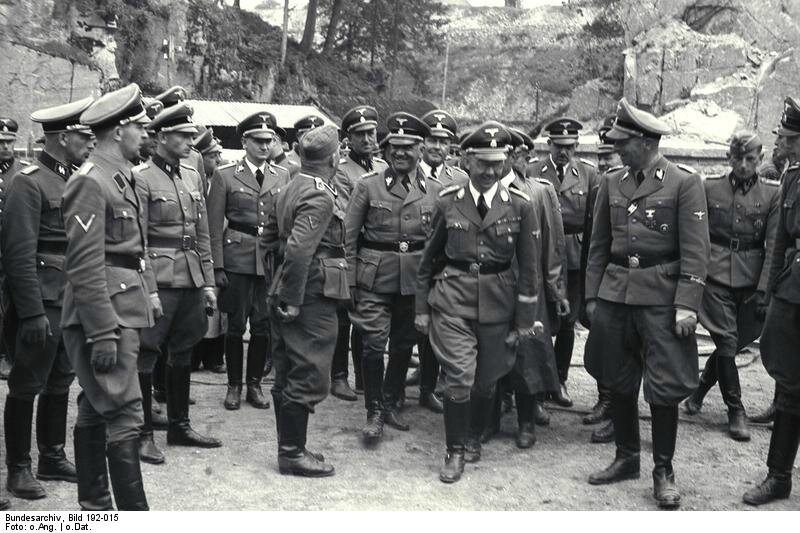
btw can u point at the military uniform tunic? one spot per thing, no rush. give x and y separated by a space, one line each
106 295
33 244
350 173
476 298
742 221
179 251
648 255
306 231
781 334
237 197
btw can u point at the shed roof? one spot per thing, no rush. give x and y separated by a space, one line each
230 113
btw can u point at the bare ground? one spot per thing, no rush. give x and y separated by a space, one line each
712 470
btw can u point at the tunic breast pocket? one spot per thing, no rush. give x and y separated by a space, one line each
380 213
619 210
757 216
51 214
244 200
790 215
123 224
577 200
458 235
199 203
507 232
163 206
660 215
718 216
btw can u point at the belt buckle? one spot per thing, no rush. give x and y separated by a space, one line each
734 246
403 246
142 264
633 261
260 231
186 242
475 268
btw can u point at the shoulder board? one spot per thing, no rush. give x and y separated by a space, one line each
370 174
773 183
715 177
686 168
142 166
587 162
614 169
291 162
342 160
379 160
196 150
227 165
519 193
533 160
449 190
793 166
543 181
280 167
432 178
86 167
30 169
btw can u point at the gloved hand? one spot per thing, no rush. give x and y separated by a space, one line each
591 305
761 303
562 307
35 330
422 323
220 278
685 322
287 313
104 355
210 300
155 305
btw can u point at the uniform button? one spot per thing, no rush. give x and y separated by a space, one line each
633 238
260 203
123 286
180 192
405 217
738 220
482 242
633 221
738 206
483 255
229 241
263 213
186 224
41 263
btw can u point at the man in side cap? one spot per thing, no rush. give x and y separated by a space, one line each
244 194
645 276
572 178
33 244
179 250
388 221
742 219
475 309
306 232
108 299
781 334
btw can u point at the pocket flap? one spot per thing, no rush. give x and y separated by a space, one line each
54 203
379 204
124 212
660 202
507 228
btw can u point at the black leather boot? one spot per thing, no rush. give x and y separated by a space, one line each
526 428
357 351
428 375
456 422
603 434
5 366
256 356
626 465
234 352
90 464
292 457
18 418
665 432
563 346
180 432
372 371
126 472
708 378
159 378
148 451
602 409
340 388
480 412
51 437
277 401
540 415
495 416
394 386
732 395
766 416
782 452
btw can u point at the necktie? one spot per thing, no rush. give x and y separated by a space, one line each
433 172
560 171
482 207
406 183
259 177
639 178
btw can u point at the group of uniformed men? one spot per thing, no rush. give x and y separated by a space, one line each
121 239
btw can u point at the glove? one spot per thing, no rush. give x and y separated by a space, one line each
287 313
155 305
562 307
761 303
422 323
220 278
104 355
685 322
35 330
210 299
591 305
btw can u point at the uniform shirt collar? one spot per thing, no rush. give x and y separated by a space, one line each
253 168
488 195
555 167
508 179
743 185
427 169
168 168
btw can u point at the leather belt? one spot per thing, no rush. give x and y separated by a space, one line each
737 245
51 247
636 261
399 246
187 242
132 262
332 252
250 229
479 268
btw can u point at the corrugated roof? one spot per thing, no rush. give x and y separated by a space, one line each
227 113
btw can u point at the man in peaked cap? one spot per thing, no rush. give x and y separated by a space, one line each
301 127
475 308
572 178
171 97
359 125
108 299
179 250
743 214
607 157
306 231
645 276
244 194
436 148
33 245
388 221
152 107
779 337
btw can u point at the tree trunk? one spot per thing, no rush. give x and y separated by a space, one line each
237 4
336 11
285 36
311 26
512 3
